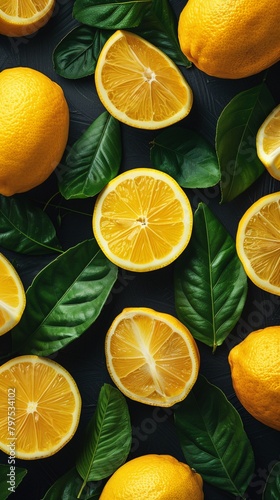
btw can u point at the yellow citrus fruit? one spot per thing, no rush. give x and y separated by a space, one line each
34 123
230 39
154 477
139 85
258 242
268 143
151 356
255 372
142 220
22 18
40 407
12 296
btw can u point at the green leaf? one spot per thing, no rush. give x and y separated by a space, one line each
107 438
236 132
10 477
187 157
25 228
93 160
272 486
68 486
213 439
159 26
210 282
64 299
76 55
106 14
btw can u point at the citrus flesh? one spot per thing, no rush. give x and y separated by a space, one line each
142 220
230 39
43 404
24 17
139 85
12 296
258 242
154 477
255 372
151 356
34 123
268 143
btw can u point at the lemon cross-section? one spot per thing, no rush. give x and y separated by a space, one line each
142 220
40 401
140 85
151 356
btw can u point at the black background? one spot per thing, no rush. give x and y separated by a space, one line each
85 358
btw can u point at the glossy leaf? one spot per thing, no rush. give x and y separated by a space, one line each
64 299
272 486
108 437
76 55
213 439
187 157
119 14
25 228
236 132
93 160
68 486
160 26
10 474
210 283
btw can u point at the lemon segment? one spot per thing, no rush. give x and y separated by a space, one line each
258 242
12 296
45 404
142 220
139 85
151 356
22 18
268 143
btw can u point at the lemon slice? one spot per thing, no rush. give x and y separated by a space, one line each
139 85
22 18
151 356
268 143
40 407
12 296
142 220
258 242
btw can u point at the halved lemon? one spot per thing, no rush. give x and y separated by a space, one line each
12 296
151 356
268 143
24 17
258 242
40 407
142 220
139 85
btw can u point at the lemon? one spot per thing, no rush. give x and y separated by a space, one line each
12 296
44 406
268 143
154 477
22 18
34 123
142 220
139 85
151 356
255 373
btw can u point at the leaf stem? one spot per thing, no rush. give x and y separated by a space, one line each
82 488
64 208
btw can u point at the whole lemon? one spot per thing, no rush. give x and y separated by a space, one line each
255 372
154 477
34 124
230 38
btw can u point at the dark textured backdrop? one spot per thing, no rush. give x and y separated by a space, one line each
85 357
